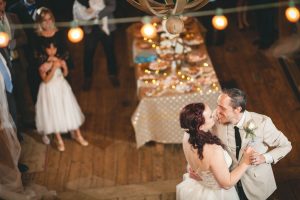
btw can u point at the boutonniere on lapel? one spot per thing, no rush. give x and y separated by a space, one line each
249 128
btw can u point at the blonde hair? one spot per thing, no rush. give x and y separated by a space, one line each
40 15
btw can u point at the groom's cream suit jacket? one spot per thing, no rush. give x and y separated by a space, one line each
258 181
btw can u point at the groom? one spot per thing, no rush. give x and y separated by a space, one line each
258 182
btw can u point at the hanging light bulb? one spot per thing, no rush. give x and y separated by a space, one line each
148 30
219 21
4 39
292 13
75 34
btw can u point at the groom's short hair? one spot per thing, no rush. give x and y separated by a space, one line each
238 98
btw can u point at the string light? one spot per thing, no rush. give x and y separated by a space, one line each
4 39
219 21
138 19
75 34
148 30
292 13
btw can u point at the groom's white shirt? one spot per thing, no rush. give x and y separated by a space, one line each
258 181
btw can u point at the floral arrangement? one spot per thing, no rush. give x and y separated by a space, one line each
249 128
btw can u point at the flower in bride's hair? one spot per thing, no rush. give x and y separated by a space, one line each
249 128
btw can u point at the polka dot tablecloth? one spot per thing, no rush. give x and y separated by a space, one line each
157 118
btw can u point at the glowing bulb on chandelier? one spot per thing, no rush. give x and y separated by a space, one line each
219 21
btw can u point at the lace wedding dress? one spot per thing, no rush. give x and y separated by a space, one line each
207 189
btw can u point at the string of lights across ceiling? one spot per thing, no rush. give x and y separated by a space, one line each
219 20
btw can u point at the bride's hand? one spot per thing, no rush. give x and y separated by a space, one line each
257 158
247 156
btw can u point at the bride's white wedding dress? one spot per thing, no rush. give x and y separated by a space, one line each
207 189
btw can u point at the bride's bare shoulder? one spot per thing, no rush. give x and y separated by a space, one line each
212 149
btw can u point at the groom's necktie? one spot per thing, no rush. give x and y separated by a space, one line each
5 75
238 141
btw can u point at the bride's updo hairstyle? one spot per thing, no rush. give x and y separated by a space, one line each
191 118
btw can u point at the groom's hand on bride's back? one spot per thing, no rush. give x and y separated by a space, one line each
194 175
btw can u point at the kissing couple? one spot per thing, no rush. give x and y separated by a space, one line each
229 151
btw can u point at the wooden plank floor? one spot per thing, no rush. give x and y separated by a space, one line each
112 159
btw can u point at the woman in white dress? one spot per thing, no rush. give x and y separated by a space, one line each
207 158
57 110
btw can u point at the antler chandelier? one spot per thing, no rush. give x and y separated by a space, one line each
170 7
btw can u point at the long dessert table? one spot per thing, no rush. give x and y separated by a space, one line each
171 72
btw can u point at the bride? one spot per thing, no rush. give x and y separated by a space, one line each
207 158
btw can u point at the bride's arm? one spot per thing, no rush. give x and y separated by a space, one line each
220 169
